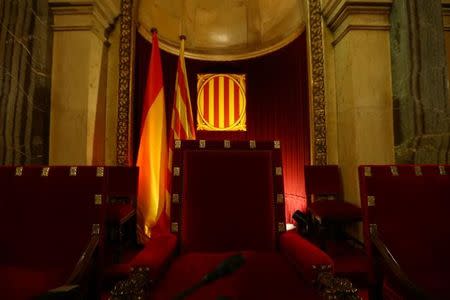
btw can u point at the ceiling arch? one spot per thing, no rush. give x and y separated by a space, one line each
221 30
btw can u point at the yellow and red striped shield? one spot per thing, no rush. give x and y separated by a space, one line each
221 102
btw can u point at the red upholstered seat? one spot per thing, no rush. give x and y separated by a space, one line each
335 211
265 275
25 282
228 198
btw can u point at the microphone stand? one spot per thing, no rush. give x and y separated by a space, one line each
227 267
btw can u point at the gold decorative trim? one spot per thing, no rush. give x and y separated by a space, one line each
319 128
370 200
177 144
202 144
373 228
126 60
98 199
73 171
19 171
418 170
176 171
394 170
252 144
278 171
367 171
442 170
226 144
281 227
45 171
100 172
175 198
95 229
276 144
280 198
174 227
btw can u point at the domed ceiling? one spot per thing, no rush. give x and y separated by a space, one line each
222 29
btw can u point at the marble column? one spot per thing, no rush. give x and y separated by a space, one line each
25 67
420 82
78 96
363 93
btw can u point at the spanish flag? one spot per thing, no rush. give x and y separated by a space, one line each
152 155
182 125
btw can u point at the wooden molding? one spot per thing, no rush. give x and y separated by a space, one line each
94 15
446 14
343 16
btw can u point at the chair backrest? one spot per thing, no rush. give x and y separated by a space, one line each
48 215
322 180
408 206
227 196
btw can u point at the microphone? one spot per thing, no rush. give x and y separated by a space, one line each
225 268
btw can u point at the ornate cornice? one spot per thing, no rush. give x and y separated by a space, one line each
319 128
88 15
343 16
446 14
126 59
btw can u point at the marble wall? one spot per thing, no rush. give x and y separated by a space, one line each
25 62
420 82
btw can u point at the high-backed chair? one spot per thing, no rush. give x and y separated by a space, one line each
325 206
227 198
405 211
53 225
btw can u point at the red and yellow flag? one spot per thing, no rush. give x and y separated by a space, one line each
152 155
182 126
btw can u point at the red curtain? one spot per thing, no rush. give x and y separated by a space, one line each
277 104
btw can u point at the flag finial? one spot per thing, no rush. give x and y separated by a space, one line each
182 37
154 30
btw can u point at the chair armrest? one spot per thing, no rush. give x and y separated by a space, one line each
64 292
303 255
388 260
156 254
84 261
72 288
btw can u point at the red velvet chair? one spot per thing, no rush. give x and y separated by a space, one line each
53 227
227 198
405 209
325 206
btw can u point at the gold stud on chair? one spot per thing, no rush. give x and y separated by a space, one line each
73 171
19 171
280 198
177 144
281 227
45 171
367 171
100 171
226 144
175 198
174 227
278 171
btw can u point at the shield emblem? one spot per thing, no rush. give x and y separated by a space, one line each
221 102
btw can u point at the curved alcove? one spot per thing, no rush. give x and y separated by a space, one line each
223 30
